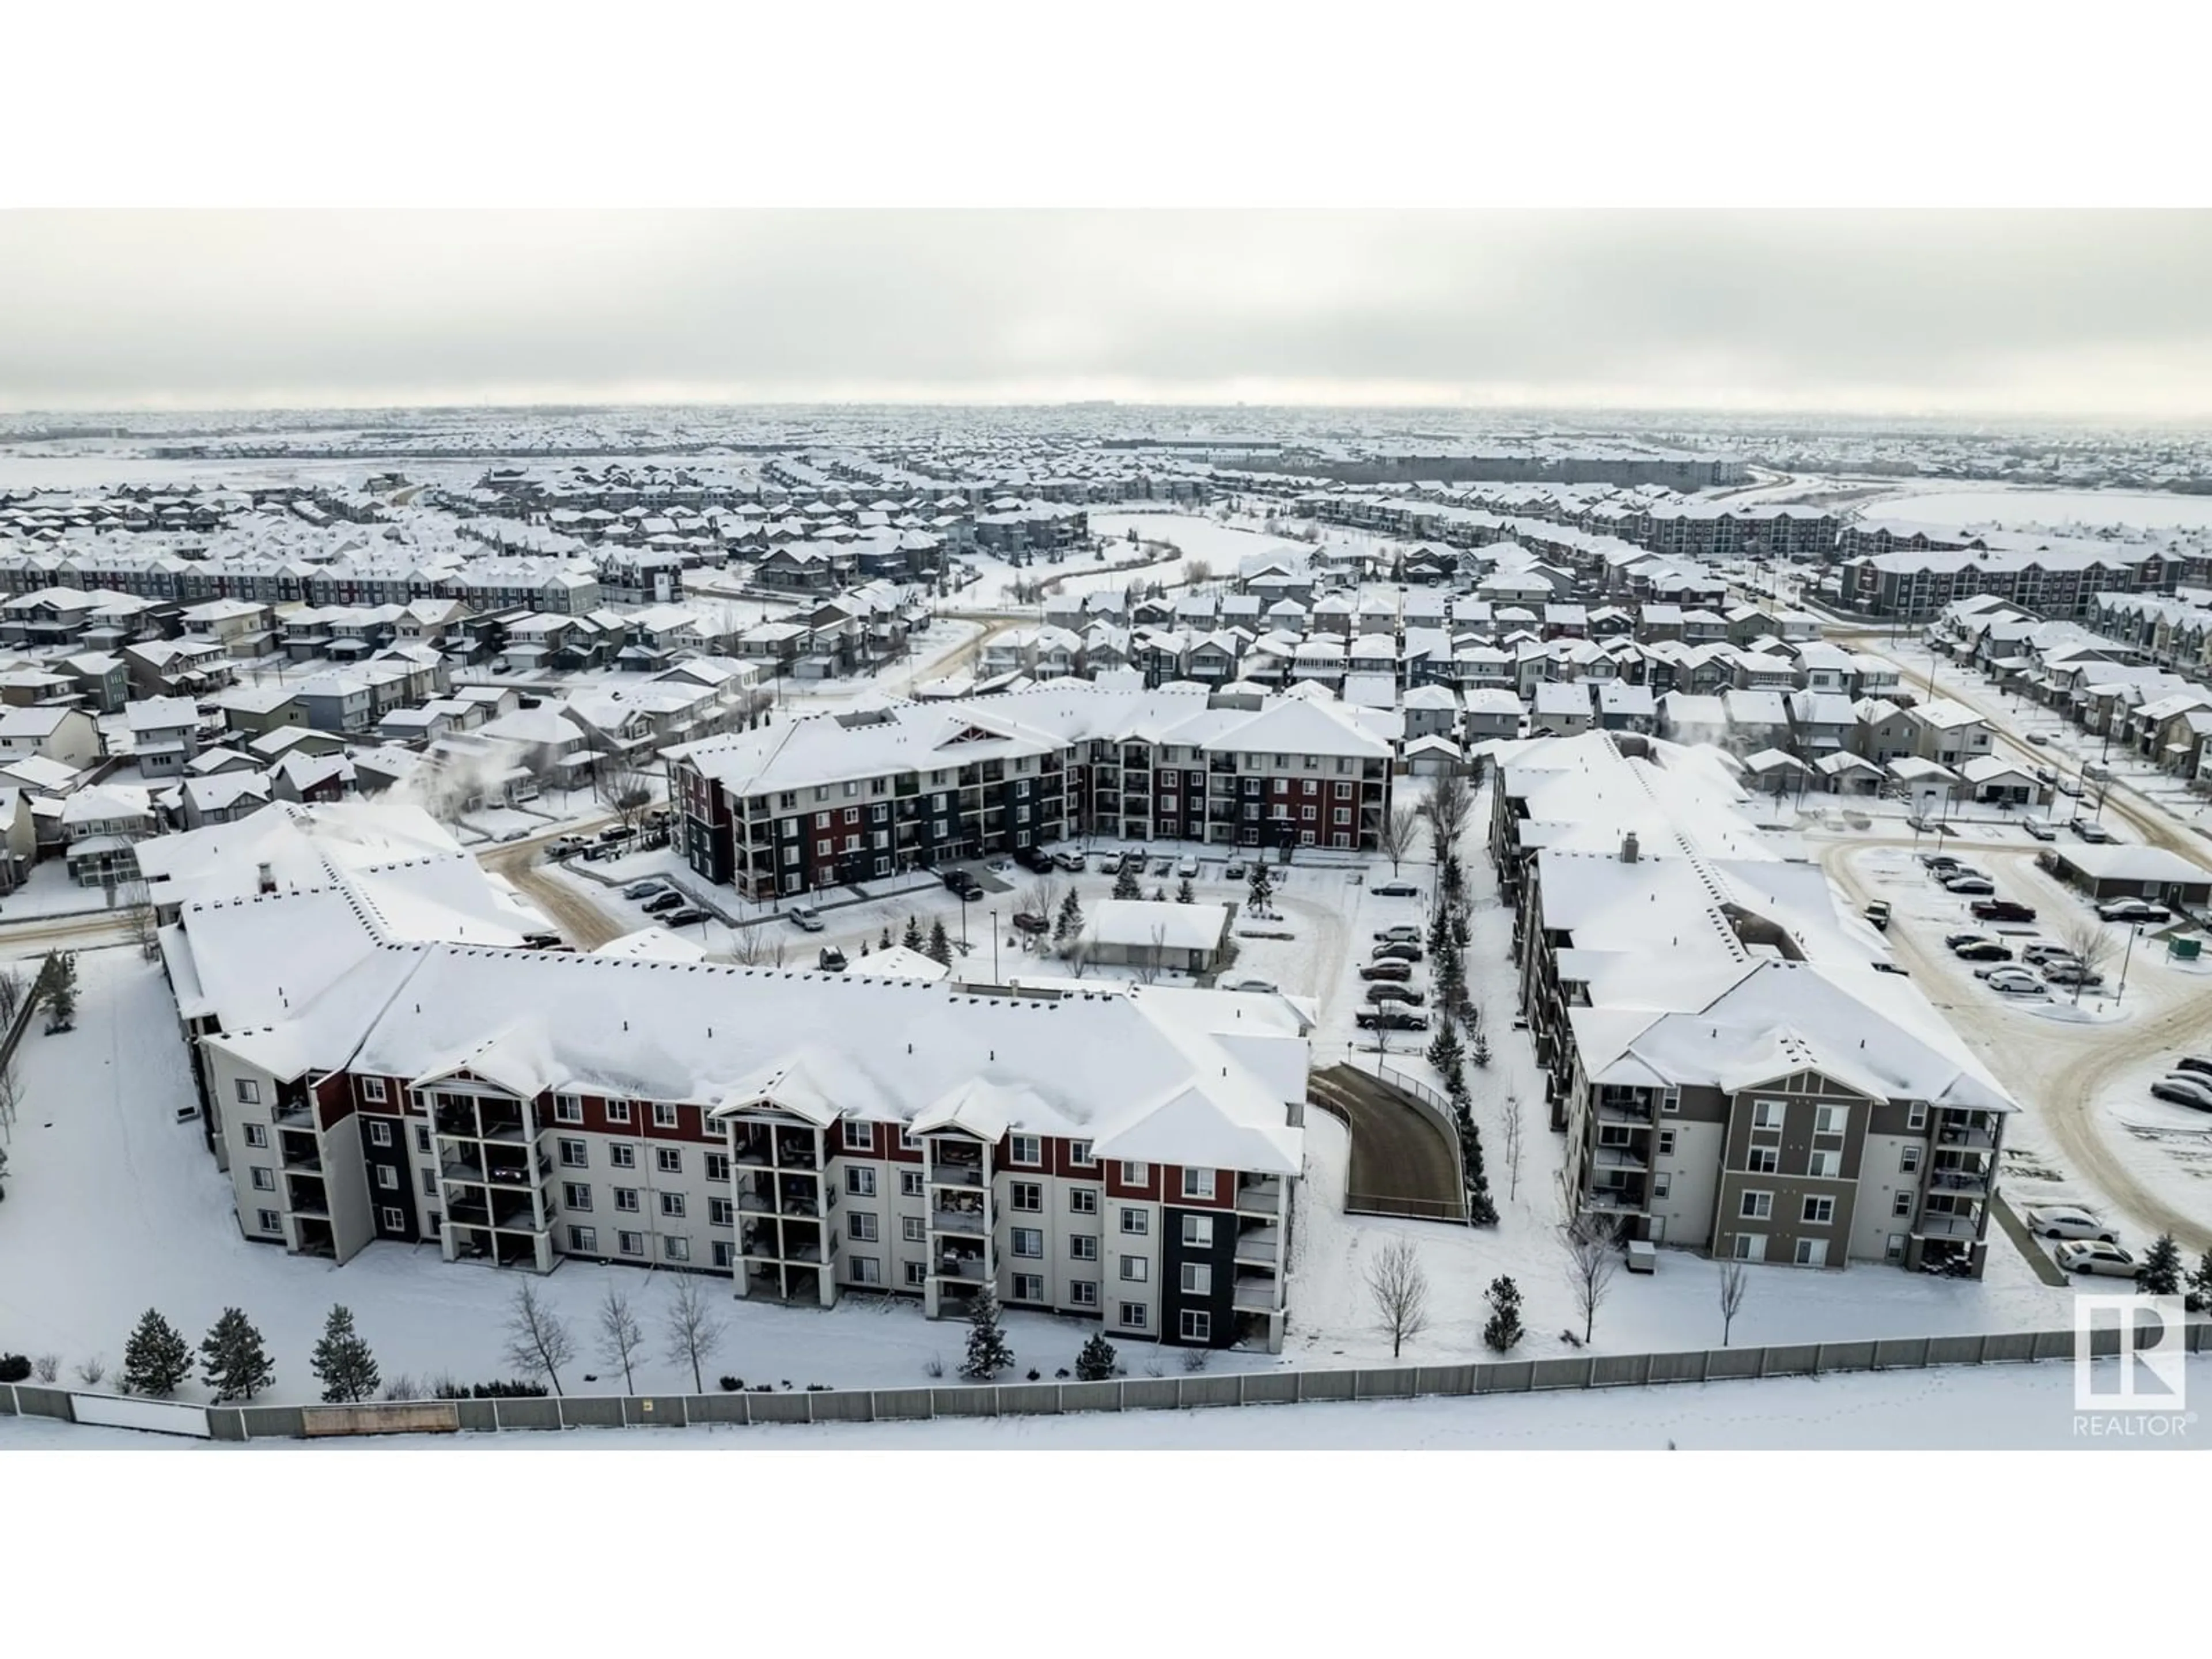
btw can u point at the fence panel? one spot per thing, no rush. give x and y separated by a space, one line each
844 1406
716 1407
2012 1345
1325 1385
1954 1350
33 1400
1724 1364
1508 1377
1792 1359
227 1423
779 1407
274 1422
532 1413
1212 1391
477 1416
653 1411
1444 1379
160 1416
1030 1399
1678 1367
608 1411
8 1399
1147 1393
1559 1374
425 1417
1269 1387
1104 1397
1844 1357
905 1405
1900 1352
1618 1370
2059 1345
1391 1382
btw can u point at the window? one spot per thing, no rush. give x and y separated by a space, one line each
1765 1114
387 1177
1197 1327
622 1155
1083 1292
1819 1211
1029 1287
721 1213
373 1092
569 1109
1197 1278
669 1159
1028 1241
1917 1115
1666 1143
860 1181
722 1252
910 1183
630 1243
1670 1100
379 1135
1134 1221
1892 1249
1756 1206
1136 1316
860 1137
263 1180
917 1274
1084 1247
718 1166
1025 1195
1811 1253
913 1229
1082 1200
1135 1269
1078 1153
270 1221
429 1183
1135 1175
664 1115
256 1134
1908 1159
909 1142
421 1138
671 1204
1198 1231
626 1199
1026 1149
1763 1160
575 1154
1830 1120
1662 1184
676 1248
1198 1183
1750 1247
1901 1207
618 1111
249 1092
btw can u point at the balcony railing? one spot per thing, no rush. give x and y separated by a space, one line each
1261 1197
1613 1200
973 1223
1256 1295
1948 1226
956 1175
293 1113
962 1270
1260 1245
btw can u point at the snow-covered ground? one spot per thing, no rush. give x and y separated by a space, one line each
48 891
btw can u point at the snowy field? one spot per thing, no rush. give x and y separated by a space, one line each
1980 503
1993 1408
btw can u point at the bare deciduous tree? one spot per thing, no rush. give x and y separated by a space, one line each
93 1372
693 1328
1077 955
1593 1258
13 984
1514 1128
136 901
2088 938
1396 837
1148 967
756 947
1448 806
537 1339
620 1335
1042 897
627 790
1401 1289
1736 1284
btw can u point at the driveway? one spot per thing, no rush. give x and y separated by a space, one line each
1400 1164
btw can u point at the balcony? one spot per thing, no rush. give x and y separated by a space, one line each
1255 1292
947 1172
1262 1244
1620 1157
1948 1226
1962 1183
972 1224
1965 1139
1623 1106
292 1114
304 1195
1261 1197
963 1269
1613 1200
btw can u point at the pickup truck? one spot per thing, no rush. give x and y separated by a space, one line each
1878 913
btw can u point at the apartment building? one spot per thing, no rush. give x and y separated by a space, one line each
1126 1153
830 799
1732 1070
1910 571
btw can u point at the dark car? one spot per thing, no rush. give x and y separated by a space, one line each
964 883
1982 950
830 959
2195 1092
1390 1019
659 902
1399 951
1997 909
1399 972
2196 1063
682 917
1034 859
1029 922
1388 992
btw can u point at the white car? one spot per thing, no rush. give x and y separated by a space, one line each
1404 933
2065 1221
1260 985
2013 981
1188 868
2093 1255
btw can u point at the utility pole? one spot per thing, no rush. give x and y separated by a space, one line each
2135 932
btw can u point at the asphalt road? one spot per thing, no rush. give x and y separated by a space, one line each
1397 1154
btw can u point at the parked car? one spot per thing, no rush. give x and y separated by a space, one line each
1986 950
1029 921
1000 866
1187 868
1245 984
2043 951
1970 886
659 902
804 917
2094 1255
2133 909
2039 829
1878 913
2196 1063
640 890
2070 973
1235 870
830 959
2008 980
1401 972
1387 992
1890 968
1396 889
1966 936
2070 788
567 844
683 918
2040 739
2090 830
1404 933
1402 950
2184 1089
1938 861
1071 862
964 883
609 836
2065 1221
1390 1019
1035 860
1998 909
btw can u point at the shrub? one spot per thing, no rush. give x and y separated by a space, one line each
1194 1359
733 1384
47 1367
14 1368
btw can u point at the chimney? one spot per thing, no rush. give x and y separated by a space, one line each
1628 848
265 878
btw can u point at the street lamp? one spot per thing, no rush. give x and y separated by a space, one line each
963 921
994 947
2135 933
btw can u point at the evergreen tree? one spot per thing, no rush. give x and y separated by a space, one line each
987 1352
1124 884
1445 1052
941 947
1503 1329
1263 887
1461 933
1096 1363
2161 1269
1068 925
1439 932
233 1360
341 1361
912 939
59 975
156 1358
1186 894
1480 1053
2200 1284
884 943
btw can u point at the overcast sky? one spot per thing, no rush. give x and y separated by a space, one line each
2065 313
